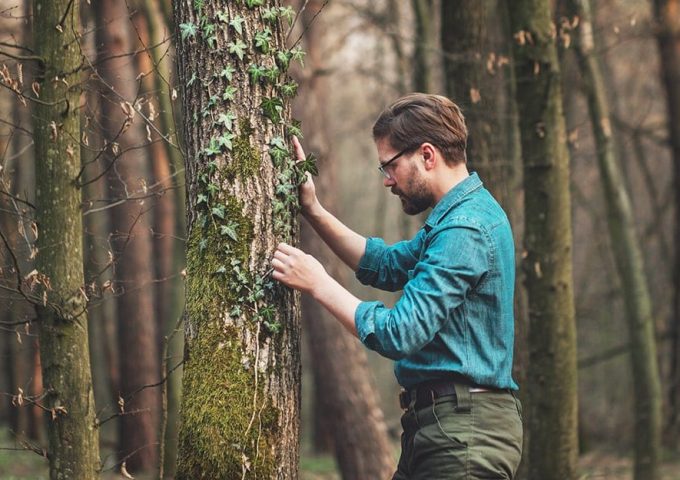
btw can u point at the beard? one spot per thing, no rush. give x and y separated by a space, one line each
415 196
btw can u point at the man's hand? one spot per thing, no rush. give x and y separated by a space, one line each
307 191
295 269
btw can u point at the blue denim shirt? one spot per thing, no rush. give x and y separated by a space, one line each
456 311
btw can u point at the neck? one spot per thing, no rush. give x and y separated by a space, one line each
451 177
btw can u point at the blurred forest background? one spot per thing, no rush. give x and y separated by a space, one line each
360 56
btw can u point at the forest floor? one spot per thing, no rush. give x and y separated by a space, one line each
21 465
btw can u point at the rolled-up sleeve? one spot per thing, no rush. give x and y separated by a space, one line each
454 262
386 266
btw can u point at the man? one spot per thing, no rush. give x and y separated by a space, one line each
451 332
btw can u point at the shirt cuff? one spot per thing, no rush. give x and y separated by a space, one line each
370 261
364 322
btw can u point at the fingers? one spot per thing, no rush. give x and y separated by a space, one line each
299 152
288 249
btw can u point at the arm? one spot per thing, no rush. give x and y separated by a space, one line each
348 245
303 272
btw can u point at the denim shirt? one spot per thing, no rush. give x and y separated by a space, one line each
455 315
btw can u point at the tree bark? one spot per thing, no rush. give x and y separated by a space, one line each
552 333
667 16
241 385
125 137
353 415
73 446
627 253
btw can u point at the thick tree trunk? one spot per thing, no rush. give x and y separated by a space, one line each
241 386
667 13
628 256
352 415
424 45
124 132
73 447
552 333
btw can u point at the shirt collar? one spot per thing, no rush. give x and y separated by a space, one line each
452 198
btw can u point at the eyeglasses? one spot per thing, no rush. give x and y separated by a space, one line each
383 166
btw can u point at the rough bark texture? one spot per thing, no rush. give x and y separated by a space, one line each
73 447
627 253
241 385
667 13
353 415
425 45
131 241
552 334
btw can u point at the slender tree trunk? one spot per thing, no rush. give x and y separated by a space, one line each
241 395
73 447
425 44
552 333
131 241
352 415
667 15
628 256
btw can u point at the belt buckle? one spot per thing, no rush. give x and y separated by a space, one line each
404 399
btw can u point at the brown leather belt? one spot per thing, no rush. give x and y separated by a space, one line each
426 393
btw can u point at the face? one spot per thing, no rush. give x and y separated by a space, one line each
406 180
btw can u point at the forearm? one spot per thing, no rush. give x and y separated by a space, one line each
338 301
348 245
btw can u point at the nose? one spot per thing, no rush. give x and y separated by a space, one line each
388 182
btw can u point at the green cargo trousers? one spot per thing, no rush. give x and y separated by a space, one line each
478 437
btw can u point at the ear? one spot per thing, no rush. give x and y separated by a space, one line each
430 157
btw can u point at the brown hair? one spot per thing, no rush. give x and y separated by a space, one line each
418 118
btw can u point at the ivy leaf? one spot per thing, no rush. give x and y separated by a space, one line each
289 89
297 54
272 74
226 120
225 140
238 48
201 198
288 13
227 73
187 30
272 109
192 79
262 40
208 29
254 3
222 17
270 14
237 24
278 150
221 270
294 129
218 211
229 93
212 149
229 230
283 59
256 72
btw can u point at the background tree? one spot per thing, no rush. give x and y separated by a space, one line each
353 416
59 287
667 29
552 337
128 178
625 246
242 372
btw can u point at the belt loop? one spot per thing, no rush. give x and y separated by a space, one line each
463 397
413 393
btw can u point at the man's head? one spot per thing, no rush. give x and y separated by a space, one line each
421 143
418 118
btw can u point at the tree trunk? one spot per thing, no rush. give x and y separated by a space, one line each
353 415
552 333
425 45
667 13
131 241
73 446
627 254
241 385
